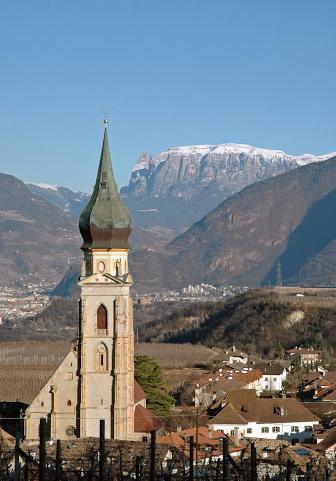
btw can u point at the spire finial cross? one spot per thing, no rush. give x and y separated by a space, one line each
106 120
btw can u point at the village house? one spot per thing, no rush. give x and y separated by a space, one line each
281 418
328 444
233 356
208 444
319 387
325 387
213 386
273 375
306 357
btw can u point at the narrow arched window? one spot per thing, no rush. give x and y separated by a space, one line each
102 317
101 358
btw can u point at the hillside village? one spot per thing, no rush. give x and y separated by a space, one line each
283 408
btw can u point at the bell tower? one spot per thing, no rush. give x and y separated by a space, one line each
106 343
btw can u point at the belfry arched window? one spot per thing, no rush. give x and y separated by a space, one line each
101 358
102 318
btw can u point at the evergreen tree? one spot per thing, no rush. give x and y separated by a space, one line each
149 375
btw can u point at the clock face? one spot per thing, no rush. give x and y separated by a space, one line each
101 266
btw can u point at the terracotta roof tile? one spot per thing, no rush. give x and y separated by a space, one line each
272 368
327 393
328 441
229 415
145 421
262 410
139 393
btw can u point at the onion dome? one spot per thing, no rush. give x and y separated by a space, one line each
105 223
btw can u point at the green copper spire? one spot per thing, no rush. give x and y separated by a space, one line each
105 222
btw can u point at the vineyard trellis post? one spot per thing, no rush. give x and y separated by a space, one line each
58 461
26 471
253 462
42 450
288 470
225 459
152 456
191 458
102 453
17 457
137 468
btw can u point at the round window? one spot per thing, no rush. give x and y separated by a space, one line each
70 431
101 266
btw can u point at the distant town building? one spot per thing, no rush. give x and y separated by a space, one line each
305 356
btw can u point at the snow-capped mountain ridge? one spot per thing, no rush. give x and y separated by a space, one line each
43 185
185 171
146 160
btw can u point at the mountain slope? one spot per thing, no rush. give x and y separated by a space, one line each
73 203
168 193
65 199
182 184
266 322
288 217
36 238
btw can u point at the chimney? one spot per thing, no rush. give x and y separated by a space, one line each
178 429
233 348
236 436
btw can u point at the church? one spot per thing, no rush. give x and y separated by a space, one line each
96 381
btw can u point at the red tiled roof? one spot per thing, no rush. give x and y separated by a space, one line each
329 441
228 415
262 411
206 438
330 376
172 439
327 393
230 378
139 393
311 377
270 368
145 421
303 351
331 396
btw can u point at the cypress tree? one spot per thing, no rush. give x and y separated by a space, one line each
149 375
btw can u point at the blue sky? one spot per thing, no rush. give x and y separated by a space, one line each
170 72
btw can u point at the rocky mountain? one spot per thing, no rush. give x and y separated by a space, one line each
37 239
168 193
182 184
65 199
73 203
287 220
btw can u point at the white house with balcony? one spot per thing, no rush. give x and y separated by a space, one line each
254 417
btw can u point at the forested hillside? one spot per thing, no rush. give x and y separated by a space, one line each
260 320
268 322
